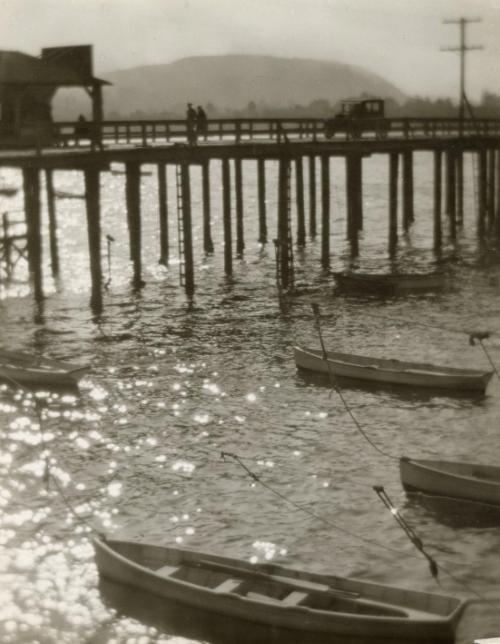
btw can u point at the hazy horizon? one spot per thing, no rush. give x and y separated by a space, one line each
398 40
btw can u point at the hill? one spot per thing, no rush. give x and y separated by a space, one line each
229 83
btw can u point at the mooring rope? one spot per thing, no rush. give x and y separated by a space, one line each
334 384
434 567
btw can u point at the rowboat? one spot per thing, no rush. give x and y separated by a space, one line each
26 368
389 282
398 372
473 482
304 604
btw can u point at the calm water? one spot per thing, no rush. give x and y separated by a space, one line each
137 452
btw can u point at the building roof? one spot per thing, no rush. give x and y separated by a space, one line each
17 68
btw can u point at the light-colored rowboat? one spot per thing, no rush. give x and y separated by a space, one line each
26 368
390 282
479 483
396 372
307 604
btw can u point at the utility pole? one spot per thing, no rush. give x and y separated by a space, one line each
463 48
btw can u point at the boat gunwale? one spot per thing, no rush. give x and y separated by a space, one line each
413 615
350 359
472 479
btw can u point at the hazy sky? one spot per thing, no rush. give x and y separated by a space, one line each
398 39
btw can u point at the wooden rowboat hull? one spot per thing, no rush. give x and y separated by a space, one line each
472 482
25 368
398 372
281 598
390 283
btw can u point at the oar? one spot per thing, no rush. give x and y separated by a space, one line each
303 584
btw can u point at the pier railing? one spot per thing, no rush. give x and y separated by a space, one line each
147 132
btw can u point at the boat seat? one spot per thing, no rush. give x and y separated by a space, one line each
166 571
294 598
263 598
228 586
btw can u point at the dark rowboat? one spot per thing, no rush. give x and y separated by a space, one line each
8 191
396 372
305 604
26 368
62 194
389 282
479 483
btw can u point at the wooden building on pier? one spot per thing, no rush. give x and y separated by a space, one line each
28 85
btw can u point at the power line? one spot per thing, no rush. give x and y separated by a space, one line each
463 48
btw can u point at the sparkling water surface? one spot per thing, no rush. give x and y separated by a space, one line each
136 452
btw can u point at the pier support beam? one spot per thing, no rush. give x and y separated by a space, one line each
283 244
393 202
31 181
261 189
491 188
325 211
93 208
133 199
408 211
226 217
238 181
299 186
51 208
451 192
437 199
497 209
482 192
312 196
208 244
354 184
163 214
187 232
459 159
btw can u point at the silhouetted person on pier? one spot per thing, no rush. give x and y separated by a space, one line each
201 121
82 130
191 124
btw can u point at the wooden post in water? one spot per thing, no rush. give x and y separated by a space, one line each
238 181
459 161
208 244
408 212
393 202
325 211
92 203
482 191
226 216
133 200
497 209
283 254
163 213
187 230
491 188
299 186
51 207
451 192
31 182
437 199
261 189
354 199
312 196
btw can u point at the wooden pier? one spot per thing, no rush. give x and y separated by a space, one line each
230 142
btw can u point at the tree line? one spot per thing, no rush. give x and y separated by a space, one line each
487 107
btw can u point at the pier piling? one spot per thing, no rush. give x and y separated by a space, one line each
208 244
238 181
325 211
163 214
393 202
31 183
312 196
299 187
133 200
261 190
226 217
438 171
93 210
51 208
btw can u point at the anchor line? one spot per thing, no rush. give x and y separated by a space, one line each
479 338
433 565
335 386
434 568
47 475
